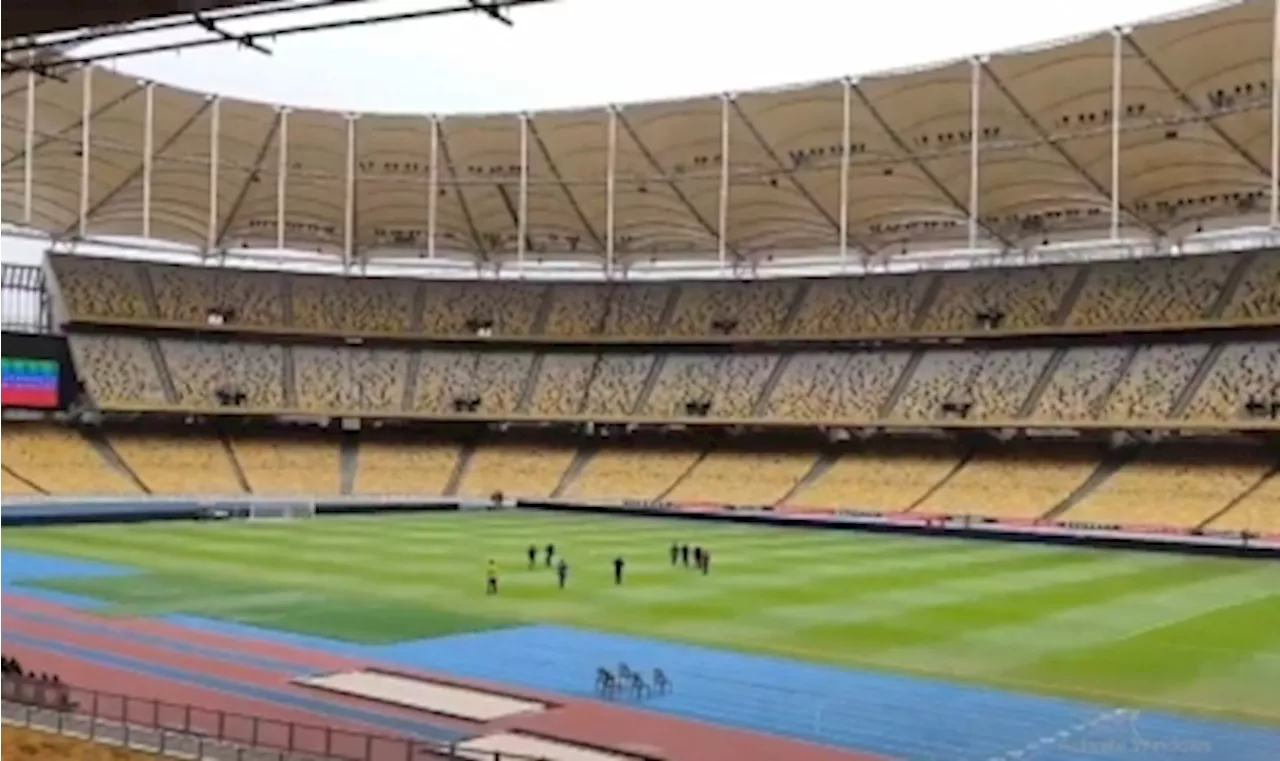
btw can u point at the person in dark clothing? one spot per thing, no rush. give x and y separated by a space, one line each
684 554
618 565
533 556
706 562
697 558
675 553
491 579
551 553
562 572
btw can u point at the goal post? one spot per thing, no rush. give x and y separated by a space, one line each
275 510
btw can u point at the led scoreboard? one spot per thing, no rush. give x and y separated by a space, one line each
31 383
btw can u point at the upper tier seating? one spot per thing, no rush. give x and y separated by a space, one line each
631 309
1145 293
1241 373
1130 293
988 384
118 370
1025 298
836 385
200 369
359 305
1081 383
758 308
733 384
1091 384
1156 379
861 306
496 379
189 294
370 380
60 461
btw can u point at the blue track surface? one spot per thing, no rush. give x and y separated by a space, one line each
20 568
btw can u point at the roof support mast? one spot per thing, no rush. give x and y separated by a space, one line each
28 150
522 217
975 125
86 119
215 134
846 136
722 226
1275 115
148 154
282 178
433 183
1117 108
611 192
349 204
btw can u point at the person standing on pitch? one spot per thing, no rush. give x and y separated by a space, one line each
491 579
618 565
533 556
562 572
675 553
551 553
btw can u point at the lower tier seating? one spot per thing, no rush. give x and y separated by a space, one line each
1169 489
293 466
60 460
620 473
405 468
890 480
179 464
514 470
1011 485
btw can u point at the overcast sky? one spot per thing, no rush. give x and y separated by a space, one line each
590 52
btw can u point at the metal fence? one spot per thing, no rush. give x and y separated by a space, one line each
187 731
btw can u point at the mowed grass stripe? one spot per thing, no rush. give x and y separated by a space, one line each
937 625
1170 657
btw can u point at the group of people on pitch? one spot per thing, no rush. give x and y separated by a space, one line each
701 557
549 560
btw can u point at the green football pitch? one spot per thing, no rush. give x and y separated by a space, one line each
1194 634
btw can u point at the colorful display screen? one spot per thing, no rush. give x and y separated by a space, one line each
29 383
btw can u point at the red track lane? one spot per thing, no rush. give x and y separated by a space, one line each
346 738
591 722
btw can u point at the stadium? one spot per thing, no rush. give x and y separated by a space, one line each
382 436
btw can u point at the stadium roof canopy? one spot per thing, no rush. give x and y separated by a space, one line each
1153 132
24 18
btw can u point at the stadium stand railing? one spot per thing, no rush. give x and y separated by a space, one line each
186 731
